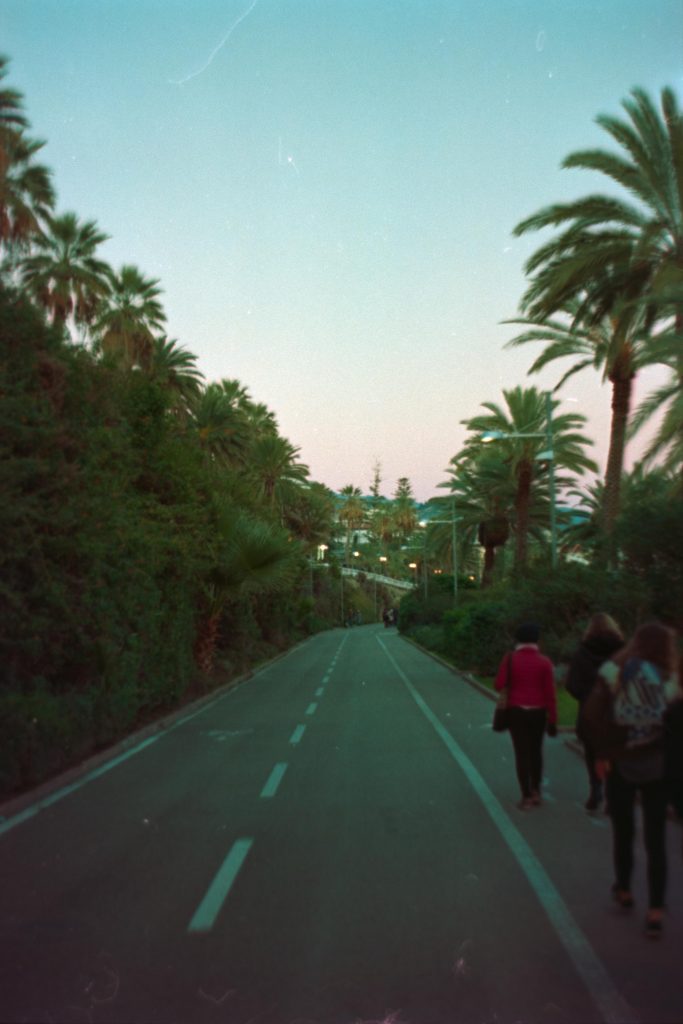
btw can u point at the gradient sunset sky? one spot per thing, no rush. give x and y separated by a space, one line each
326 189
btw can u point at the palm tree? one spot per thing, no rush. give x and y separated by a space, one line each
250 557
26 192
176 369
310 515
526 415
483 491
262 420
666 348
12 118
610 249
351 513
64 274
222 429
130 316
666 446
276 470
609 344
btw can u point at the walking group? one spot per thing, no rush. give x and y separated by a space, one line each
630 724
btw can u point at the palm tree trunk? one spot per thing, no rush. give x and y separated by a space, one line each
621 408
206 642
489 563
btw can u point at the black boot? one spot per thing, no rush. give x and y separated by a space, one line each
595 799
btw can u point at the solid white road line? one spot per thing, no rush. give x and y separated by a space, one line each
606 996
217 893
59 794
274 780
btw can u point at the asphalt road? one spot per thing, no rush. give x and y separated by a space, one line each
335 841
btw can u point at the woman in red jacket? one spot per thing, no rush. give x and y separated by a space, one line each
532 708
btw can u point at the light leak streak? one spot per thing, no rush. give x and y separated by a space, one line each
217 49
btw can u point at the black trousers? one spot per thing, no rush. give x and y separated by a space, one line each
527 726
621 796
589 754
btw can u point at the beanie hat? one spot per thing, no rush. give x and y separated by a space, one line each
527 634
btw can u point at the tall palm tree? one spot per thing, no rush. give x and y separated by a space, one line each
222 430
276 470
483 491
176 369
130 316
666 447
12 118
612 249
617 347
526 414
351 514
666 348
64 273
26 193
310 515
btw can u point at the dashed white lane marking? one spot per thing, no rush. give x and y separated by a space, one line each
319 692
274 780
310 710
614 1009
297 734
217 893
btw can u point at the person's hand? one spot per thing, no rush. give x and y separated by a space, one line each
602 769
551 729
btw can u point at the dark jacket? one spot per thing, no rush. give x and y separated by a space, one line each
673 754
587 659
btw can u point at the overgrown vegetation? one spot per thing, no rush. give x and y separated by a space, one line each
158 534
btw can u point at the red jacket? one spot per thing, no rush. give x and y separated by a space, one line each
532 680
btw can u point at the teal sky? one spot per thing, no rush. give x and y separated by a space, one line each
326 189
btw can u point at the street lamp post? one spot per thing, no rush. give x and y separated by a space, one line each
445 522
549 456
382 560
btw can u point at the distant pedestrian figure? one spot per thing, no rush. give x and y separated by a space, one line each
532 705
640 682
601 640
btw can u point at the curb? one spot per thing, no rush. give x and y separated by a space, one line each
14 805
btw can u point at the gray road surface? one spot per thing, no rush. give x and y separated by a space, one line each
336 841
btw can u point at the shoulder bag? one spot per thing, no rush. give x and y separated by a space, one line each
501 716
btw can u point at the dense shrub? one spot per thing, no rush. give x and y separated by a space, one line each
476 633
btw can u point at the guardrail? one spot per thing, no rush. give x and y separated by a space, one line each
388 581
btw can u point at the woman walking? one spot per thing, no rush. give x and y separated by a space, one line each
532 705
642 680
601 640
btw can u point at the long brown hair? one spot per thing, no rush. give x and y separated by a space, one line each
600 624
653 642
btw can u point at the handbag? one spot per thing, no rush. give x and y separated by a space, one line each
501 715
